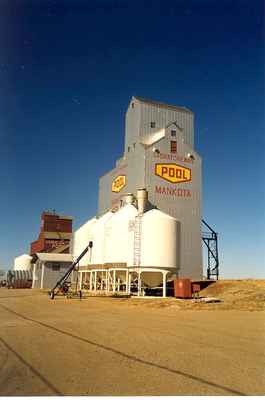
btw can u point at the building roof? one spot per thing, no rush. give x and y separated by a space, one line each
162 105
56 215
55 257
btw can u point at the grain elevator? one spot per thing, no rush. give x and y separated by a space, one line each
159 156
148 226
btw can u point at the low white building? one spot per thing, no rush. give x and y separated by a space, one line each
48 268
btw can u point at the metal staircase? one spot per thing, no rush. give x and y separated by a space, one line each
210 240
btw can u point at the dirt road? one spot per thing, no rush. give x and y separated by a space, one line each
106 346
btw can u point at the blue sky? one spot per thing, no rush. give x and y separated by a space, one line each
67 72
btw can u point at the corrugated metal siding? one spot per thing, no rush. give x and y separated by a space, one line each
185 209
133 167
107 199
50 277
132 124
162 118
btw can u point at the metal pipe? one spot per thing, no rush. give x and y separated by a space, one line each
128 198
142 198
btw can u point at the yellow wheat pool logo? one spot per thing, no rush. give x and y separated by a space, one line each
118 183
173 173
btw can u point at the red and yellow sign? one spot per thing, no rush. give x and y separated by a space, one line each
173 173
118 183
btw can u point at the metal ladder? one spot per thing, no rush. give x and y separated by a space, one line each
137 241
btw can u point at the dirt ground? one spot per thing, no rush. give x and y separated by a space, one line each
241 295
113 346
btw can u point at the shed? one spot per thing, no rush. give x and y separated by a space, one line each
48 268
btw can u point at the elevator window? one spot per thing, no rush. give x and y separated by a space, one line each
173 146
153 124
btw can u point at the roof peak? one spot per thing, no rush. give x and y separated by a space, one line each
162 105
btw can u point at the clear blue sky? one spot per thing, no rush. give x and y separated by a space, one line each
67 71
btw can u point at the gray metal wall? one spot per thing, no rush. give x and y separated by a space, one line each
180 200
140 116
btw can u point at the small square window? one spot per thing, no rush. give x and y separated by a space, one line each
174 133
128 149
153 124
173 146
56 267
132 105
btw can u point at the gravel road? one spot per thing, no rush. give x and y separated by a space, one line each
107 346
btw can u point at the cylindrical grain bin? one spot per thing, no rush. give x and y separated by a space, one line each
159 240
82 237
118 237
99 243
22 263
160 243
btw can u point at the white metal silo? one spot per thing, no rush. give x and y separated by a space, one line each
82 237
118 235
99 239
159 240
159 247
22 263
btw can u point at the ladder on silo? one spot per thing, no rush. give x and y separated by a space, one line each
137 241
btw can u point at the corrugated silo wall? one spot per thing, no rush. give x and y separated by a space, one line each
162 117
181 200
133 168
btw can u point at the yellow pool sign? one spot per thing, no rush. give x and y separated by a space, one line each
118 183
173 173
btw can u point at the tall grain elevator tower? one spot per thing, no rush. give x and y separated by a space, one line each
159 156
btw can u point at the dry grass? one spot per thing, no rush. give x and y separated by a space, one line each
244 295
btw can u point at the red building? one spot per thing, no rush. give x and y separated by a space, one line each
55 234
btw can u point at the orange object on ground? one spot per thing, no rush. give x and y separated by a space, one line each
182 288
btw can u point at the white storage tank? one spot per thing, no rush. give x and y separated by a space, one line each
159 240
99 242
160 245
82 237
22 263
118 235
